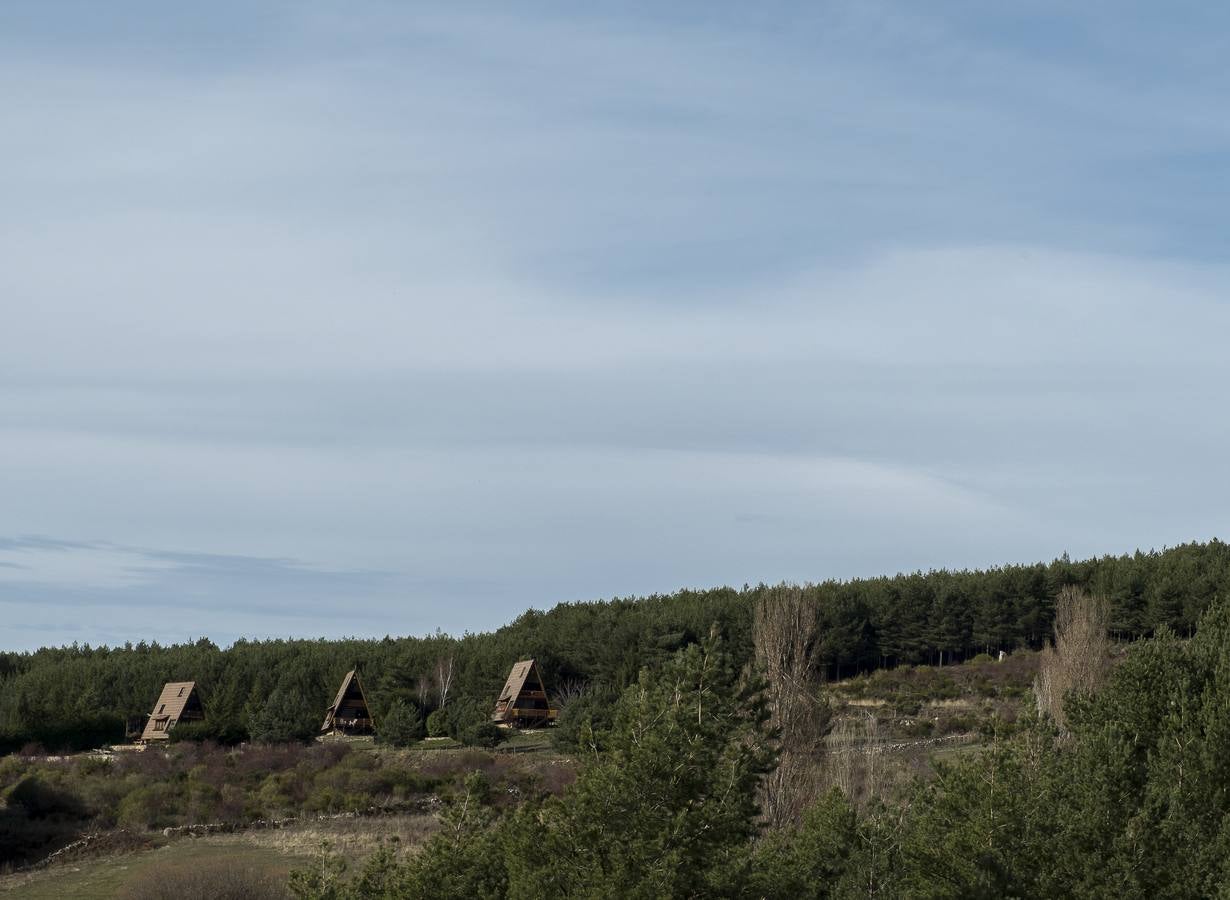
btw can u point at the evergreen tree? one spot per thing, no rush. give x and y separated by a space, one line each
402 725
285 716
437 723
671 801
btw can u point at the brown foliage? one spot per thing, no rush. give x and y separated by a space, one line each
1079 660
188 882
784 633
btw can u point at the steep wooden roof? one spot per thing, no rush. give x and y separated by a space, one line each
349 683
169 708
516 680
524 696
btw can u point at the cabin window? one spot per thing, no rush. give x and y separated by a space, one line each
161 707
181 692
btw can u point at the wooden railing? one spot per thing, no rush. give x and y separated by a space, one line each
518 712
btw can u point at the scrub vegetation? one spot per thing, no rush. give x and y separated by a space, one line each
1037 731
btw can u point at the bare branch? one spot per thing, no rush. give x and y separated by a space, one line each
1079 660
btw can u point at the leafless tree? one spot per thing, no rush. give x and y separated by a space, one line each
1079 659
784 633
444 676
568 690
424 685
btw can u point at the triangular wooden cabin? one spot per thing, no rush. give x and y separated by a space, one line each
178 702
349 713
523 701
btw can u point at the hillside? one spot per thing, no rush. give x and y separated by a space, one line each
78 697
734 763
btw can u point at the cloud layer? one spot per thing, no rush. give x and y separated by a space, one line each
451 314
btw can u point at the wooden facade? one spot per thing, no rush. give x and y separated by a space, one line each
178 702
523 701
349 713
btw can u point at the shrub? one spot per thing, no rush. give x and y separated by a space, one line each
470 724
907 707
148 807
484 734
40 800
437 723
958 724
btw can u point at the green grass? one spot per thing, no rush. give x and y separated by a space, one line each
107 877
536 739
518 741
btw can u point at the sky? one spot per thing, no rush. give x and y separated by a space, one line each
328 319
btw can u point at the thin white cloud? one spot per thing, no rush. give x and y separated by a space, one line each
59 564
467 311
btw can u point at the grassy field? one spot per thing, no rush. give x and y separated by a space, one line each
112 876
115 870
272 853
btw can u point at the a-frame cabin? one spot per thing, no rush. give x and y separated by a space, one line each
349 713
523 701
178 702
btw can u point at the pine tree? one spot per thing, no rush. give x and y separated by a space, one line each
402 725
284 716
672 800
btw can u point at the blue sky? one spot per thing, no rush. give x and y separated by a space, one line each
440 312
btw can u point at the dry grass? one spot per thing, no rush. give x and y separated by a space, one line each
115 874
172 881
352 838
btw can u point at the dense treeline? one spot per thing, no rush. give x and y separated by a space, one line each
78 696
1130 800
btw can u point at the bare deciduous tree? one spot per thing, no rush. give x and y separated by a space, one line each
424 687
784 633
568 690
444 676
1079 660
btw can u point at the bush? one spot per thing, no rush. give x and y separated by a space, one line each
958 724
920 728
437 723
402 725
907 707
470 724
484 734
40 800
152 806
